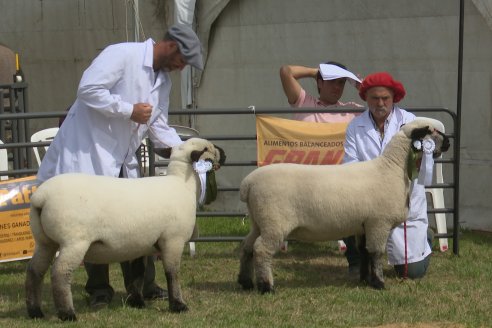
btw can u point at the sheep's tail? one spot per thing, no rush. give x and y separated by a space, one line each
244 190
37 203
38 199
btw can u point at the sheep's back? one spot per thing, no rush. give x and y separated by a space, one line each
341 195
135 206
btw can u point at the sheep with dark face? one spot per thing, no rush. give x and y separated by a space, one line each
103 219
318 203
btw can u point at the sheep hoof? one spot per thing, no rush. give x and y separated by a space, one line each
377 284
35 312
247 284
135 301
67 316
265 288
177 307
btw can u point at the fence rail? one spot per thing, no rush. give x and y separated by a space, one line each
21 154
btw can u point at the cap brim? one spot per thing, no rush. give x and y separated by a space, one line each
332 72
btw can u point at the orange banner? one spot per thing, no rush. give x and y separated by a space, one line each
16 241
290 141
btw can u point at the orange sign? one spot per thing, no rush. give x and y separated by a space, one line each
16 241
289 141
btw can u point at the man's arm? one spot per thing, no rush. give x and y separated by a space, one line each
289 75
104 73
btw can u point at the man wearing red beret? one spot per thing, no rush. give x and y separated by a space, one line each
367 136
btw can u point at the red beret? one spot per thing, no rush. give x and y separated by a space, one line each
382 79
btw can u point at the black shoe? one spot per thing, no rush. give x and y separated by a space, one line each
156 294
100 301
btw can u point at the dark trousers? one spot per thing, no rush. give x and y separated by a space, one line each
352 252
416 270
98 276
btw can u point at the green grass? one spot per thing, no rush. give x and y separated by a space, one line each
312 290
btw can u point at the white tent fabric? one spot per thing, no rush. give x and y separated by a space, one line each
485 9
206 13
184 12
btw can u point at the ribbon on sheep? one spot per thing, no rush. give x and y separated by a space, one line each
427 147
208 186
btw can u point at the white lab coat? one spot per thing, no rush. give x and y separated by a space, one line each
97 136
363 143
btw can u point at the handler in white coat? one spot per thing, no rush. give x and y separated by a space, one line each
122 98
366 137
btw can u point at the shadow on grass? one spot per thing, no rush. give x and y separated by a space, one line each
15 267
15 294
80 300
291 276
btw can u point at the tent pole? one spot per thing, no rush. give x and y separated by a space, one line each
458 131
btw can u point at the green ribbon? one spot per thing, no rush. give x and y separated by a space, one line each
412 165
211 188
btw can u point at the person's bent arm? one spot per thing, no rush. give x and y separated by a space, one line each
289 75
103 74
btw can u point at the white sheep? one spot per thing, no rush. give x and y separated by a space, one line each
104 219
319 203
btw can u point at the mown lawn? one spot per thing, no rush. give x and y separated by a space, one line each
312 290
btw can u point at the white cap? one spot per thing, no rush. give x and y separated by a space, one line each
331 72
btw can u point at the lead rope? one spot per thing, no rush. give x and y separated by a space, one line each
405 270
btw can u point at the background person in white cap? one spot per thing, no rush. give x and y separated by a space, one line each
366 138
330 79
122 98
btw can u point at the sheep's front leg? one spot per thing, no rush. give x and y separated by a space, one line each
171 252
36 269
67 261
246 269
264 249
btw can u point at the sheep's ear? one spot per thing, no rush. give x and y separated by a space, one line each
195 155
164 152
420 133
221 154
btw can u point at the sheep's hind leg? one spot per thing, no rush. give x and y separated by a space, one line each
377 279
171 252
67 261
264 249
376 245
36 269
246 268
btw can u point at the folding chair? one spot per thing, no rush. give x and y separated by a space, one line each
4 162
437 194
41 136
